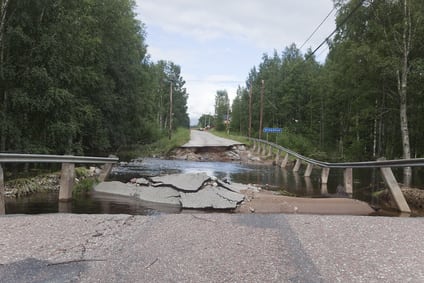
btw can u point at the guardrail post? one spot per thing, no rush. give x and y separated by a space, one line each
324 175
105 170
254 146
277 156
2 200
348 180
324 189
269 151
259 148
297 165
394 188
308 171
263 150
285 160
67 178
309 186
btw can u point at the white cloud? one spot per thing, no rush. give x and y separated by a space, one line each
216 42
265 23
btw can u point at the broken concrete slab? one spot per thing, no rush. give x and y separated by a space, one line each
211 197
232 196
235 187
184 182
165 195
207 197
116 188
186 190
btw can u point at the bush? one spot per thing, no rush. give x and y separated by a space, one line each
296 143
84 186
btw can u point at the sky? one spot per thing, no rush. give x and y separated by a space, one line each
218 42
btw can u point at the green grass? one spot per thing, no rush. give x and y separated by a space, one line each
159 148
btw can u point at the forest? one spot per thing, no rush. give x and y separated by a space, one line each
364 102
76 78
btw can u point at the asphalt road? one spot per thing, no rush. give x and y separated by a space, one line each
210 248
206 139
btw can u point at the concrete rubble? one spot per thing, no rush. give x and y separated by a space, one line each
193 190
183 182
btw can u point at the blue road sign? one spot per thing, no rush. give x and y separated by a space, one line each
273 130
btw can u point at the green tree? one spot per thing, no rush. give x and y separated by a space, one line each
222 105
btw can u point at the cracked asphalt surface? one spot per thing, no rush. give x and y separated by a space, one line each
210 248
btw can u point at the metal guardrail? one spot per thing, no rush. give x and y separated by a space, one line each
67 174
415 162
42 158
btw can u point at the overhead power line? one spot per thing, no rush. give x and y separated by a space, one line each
337 28
215 81
318 27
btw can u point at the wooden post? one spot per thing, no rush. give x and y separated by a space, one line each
269 151
394 188
277 156
324 189
263 150
259 148
348 180
261 114
297 165
254 146
65 207
2 192
170 112
105 171
285 160
67 178
250 110
309 186
308 171
324 175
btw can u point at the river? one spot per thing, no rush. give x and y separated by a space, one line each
270 177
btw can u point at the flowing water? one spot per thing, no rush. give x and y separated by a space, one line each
271 177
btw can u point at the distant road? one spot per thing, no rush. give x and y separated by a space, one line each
205 139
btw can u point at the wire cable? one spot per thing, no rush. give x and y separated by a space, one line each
337 28
318 27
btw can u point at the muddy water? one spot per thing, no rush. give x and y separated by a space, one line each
270 177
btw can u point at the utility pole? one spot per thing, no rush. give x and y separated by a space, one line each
250 110
170 112
228 116
262 109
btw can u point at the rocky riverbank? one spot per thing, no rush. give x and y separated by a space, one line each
25 186
414 197
44 183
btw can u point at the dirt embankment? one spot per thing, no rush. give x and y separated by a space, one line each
413 196
238 153
271 202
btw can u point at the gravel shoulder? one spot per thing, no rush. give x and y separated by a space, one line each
210 248
270 202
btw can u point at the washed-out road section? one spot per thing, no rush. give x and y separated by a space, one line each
206 139
210 248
